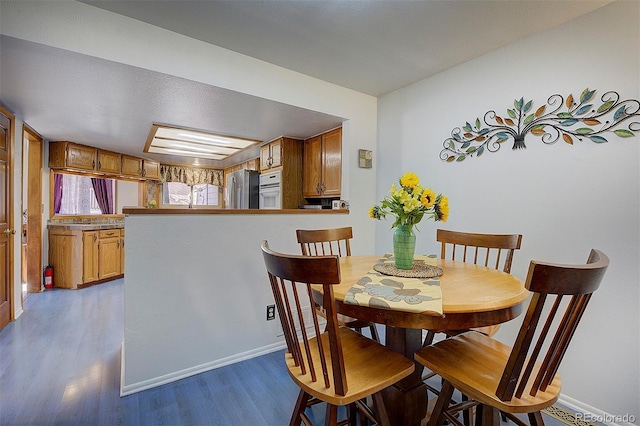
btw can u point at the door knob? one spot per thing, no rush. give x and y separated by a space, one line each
9 231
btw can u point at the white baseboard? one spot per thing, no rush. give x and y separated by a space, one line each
588 413
172 377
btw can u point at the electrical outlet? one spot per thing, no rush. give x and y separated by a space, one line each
271 312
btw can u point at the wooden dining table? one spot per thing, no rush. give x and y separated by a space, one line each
472 296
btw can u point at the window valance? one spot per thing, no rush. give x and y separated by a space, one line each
191 176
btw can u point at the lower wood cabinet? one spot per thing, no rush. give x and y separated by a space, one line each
80 258
89 257
108 253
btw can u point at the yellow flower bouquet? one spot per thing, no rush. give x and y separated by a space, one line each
409 203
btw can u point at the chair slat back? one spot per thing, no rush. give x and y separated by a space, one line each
491 250
555 282
291 277
323 242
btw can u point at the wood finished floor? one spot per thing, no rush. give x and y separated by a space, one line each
60 365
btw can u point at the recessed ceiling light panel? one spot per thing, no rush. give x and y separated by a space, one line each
172 140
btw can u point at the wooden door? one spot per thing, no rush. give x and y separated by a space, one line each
332 163
89 256
312 167
6 250
33 205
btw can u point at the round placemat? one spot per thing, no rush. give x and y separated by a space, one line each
419 269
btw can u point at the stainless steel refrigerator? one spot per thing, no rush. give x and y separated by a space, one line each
242 189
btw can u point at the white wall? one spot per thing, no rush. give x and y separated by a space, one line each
88 30
563 199
196 291
127 194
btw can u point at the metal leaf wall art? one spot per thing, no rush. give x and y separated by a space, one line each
567 119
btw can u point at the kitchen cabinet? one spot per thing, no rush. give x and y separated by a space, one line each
76 157
323 165
84 257
109 162
271 155
139 168
150 170
285 154
90 259
72 156
131 166
108 253
122 251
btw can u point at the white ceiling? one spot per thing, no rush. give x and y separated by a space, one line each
68 96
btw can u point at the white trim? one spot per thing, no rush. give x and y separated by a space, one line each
594 414
172 377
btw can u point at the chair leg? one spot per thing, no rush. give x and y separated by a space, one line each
380 409
374 333
428 339
331 416
536 419
437 416
352 414
487 416
301 405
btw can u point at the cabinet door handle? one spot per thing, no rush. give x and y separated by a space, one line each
99 165
93 164
95 237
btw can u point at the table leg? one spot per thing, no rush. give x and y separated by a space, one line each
406 401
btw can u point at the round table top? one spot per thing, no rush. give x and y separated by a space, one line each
472 296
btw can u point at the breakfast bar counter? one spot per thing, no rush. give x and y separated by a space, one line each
198 211
196 290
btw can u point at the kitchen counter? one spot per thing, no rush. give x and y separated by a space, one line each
84 226
142 210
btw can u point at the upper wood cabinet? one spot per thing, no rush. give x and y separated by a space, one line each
271 155
77 157
323 165
285 154
109 162
131 166
73 156
150 170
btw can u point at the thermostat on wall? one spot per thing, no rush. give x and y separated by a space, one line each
338 204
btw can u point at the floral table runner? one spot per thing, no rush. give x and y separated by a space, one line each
397 293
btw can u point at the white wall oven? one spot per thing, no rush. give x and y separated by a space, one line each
271 190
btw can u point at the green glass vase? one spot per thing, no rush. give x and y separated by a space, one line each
404 246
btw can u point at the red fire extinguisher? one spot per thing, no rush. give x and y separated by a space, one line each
48 277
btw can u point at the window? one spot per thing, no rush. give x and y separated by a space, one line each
75 195
180 194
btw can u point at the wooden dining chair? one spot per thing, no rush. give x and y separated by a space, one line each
522 378
490 250
336 365
322 242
